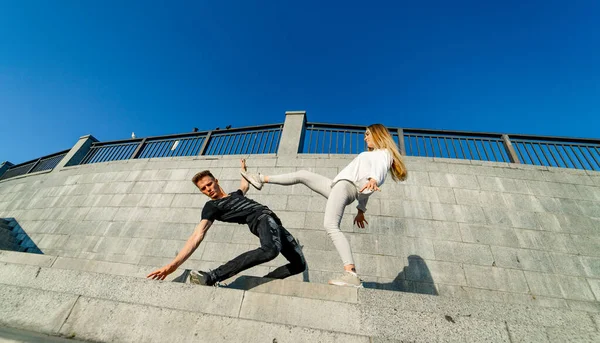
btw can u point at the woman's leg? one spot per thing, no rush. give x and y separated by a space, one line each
342 194
315 182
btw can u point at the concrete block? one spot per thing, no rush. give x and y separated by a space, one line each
442 230
100 213
578 224
494 278
589 208
489 234
595 287
591 193
561 286
81 243
189 200
26 258
453 180
438 271
298 202
145 187
557 190
96 266
156 200
161 324
323 260
525 333
548 222
548 241
462 293
585 245
21 308
458 213
177 215
292 220
417 209
524 259
112 245
591 307
479 198
222 252
591 266
572 335
388 322
463 252
568 264
334 316
418 178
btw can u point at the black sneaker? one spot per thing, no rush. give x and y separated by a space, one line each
202 278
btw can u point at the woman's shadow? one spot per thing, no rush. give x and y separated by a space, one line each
414 278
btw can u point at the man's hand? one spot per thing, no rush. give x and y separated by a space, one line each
243 164
360 220
371 185
161 274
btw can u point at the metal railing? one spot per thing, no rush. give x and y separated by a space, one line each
462 145
110 151
558 151
333 139
561 152
262 139
43 163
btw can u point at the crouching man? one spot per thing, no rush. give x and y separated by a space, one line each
235 207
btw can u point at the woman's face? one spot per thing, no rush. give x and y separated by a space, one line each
369 140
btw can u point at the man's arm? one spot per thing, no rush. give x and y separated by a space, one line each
188 249
243 183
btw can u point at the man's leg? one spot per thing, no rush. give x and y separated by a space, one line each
292 251
267 231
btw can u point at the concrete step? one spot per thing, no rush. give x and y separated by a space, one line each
330 310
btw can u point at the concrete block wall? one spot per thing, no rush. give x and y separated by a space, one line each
478 230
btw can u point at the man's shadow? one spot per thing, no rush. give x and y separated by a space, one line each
414 278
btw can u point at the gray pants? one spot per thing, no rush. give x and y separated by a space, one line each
342 194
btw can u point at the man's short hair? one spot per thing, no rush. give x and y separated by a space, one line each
200 175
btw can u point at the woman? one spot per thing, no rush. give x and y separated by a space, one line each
357 181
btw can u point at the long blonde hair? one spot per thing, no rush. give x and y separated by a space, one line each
383 140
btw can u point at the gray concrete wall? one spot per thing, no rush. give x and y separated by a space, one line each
492 231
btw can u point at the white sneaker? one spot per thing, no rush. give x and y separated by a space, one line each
254 179
349 279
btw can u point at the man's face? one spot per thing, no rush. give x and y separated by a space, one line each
209 187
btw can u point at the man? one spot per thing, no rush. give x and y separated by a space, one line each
235 207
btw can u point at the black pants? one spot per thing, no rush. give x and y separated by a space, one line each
274 239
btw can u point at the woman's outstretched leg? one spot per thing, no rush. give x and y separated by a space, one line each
315 182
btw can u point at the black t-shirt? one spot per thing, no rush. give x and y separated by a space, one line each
235 208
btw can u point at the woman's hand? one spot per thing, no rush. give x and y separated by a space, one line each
371 185
360 220
161 274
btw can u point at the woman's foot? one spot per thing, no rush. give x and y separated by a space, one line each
349 279
254 179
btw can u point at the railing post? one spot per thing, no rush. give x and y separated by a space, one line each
77 152
512 154
292 135
4 167
205 144
401 142
138 150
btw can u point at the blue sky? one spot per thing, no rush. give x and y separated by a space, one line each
71 68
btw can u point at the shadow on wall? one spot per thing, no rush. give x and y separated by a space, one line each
14 238
414 278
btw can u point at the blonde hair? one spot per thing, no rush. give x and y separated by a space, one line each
383 140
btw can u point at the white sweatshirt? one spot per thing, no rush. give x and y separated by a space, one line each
369 164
